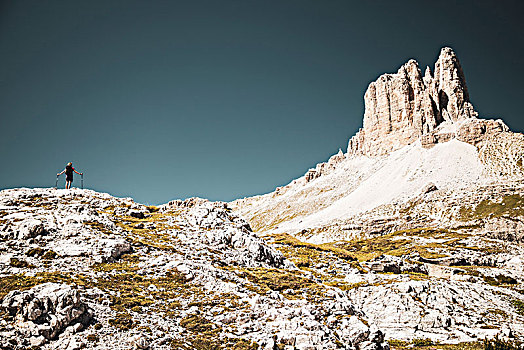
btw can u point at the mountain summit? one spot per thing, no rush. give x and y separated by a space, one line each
403 107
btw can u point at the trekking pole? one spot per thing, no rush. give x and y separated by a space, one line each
82 180
56 183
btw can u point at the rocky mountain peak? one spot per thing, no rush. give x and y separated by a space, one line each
453 98
404 107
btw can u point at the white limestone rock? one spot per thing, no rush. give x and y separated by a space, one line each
46 310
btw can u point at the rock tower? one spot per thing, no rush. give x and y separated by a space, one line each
404 107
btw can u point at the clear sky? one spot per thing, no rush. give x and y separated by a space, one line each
160 100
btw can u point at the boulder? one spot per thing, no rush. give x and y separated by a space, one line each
46 310
30 228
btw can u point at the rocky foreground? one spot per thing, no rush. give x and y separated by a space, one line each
81 269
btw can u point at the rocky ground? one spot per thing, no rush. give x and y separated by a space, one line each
80 269
445 265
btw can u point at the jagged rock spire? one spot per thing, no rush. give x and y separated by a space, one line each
453 98
403 107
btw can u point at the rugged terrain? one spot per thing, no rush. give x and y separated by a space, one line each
81 269
412 237
424 187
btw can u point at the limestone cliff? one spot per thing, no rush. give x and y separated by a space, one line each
404 107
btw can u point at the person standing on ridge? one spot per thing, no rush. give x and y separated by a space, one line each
69 174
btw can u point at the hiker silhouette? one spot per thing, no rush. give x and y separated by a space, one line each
69 170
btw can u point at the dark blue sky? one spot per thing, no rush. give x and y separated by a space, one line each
222 99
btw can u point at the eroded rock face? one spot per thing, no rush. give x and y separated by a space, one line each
404 107
431 309
398 109
45 311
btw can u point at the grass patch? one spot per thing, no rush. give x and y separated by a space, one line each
35 252
498 280
421 342
498 344
205 335
49 255
195 323
291 283
340 252
518 305
346 286
23 282
39 252
400 243
405 345
127 291
126 263
122 321
97 226
93 338
510 206
19 263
